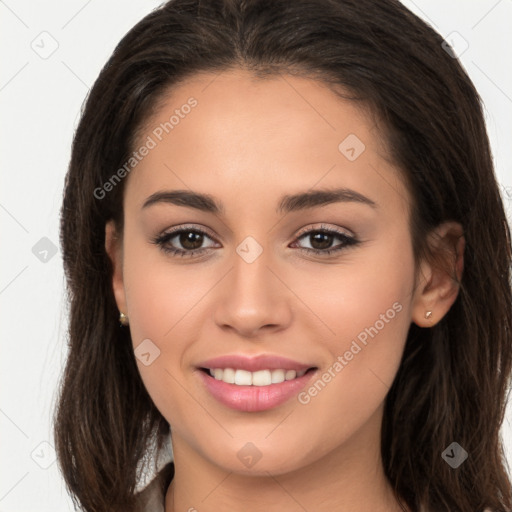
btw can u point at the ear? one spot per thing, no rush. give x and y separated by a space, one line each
438 280
114 248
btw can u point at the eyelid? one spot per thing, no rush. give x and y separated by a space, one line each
162 239
325 227
303 231
190 227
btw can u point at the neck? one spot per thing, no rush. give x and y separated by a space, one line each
348 479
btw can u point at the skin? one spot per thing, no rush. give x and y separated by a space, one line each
247 143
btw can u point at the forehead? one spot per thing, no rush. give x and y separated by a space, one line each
232 131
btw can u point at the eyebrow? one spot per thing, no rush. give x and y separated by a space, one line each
288 203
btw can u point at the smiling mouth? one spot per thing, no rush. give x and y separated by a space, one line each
258 378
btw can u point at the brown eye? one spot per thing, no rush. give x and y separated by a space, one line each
321 241
190 240
183 242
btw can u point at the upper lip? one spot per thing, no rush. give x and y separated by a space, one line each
254 363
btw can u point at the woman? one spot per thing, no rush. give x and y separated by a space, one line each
288 266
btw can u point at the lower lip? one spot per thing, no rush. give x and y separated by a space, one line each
254 398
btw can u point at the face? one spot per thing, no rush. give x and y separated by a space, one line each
299 303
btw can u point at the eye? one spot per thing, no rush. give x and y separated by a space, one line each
191 240
321 240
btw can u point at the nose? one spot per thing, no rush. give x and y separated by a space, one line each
253 299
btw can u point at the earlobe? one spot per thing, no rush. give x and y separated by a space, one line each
113 247
440 278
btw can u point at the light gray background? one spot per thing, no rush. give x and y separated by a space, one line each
40 100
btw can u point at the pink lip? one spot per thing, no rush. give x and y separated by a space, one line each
253 364
254 398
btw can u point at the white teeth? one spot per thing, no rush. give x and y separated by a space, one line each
277 376
243 378
290 374
259 378
229 375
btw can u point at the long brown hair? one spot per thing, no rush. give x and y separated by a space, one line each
454 378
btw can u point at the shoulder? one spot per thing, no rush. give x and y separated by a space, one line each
152 497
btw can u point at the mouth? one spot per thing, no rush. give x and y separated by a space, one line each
266 377
253 384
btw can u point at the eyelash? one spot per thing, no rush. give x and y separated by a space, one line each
162 240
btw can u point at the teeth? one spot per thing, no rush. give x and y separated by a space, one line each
277 376
259 378
243 377
262 378
290 374
228 375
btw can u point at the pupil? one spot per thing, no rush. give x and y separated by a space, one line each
327 239
189 240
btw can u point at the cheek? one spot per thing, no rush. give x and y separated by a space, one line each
164 301
367 295
366 305
161 294
361 370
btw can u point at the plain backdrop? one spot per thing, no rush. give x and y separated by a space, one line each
51 53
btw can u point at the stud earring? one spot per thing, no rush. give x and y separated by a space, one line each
428 314
123 319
